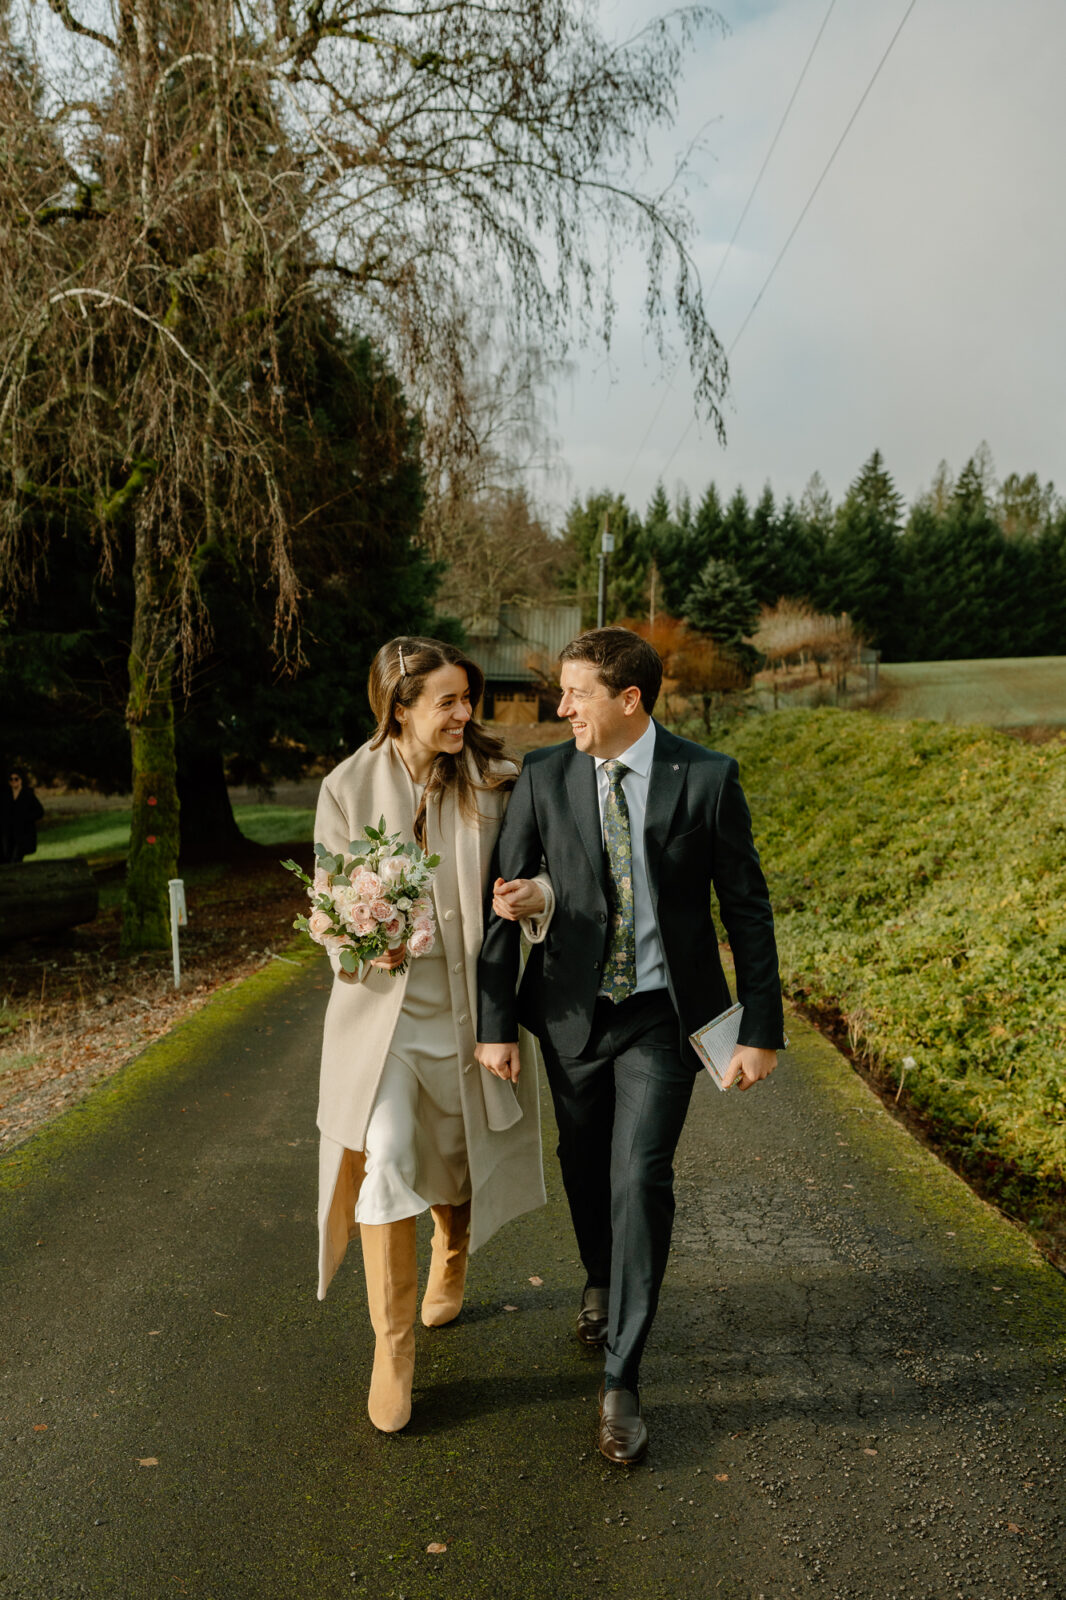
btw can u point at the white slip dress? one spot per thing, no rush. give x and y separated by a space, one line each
415 1148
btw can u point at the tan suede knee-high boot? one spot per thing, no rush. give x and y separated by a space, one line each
392 1295
443 1299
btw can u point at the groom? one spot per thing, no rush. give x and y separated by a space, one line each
636 827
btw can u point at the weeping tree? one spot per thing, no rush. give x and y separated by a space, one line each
185 184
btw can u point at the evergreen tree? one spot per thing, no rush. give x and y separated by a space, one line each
964 583
722 604
668 539
800 554
863 557
984 613
761 561
708 529
627 567
1048 592
735 532
818 515
927 580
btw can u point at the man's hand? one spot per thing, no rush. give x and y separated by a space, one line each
502 1060
748 1065
519 898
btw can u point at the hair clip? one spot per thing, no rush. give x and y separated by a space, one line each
403 664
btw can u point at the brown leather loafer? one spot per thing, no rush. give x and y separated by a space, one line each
623 1436
592 1318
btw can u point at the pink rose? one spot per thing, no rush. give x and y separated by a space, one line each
360 919
382 911
321 882
421 942
368 885
423 924
393 928
319 923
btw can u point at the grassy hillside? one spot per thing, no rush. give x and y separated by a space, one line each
1020 693
919 881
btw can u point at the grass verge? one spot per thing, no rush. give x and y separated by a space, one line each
918 874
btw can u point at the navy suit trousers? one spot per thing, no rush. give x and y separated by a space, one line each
620 1107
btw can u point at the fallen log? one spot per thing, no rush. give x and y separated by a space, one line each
46 897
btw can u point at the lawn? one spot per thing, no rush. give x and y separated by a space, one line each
1018 693
105 835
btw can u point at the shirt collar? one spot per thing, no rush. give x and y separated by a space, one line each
638 757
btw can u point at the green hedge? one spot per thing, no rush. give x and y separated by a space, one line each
919 881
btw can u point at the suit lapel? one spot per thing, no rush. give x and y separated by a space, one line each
581 790
667 779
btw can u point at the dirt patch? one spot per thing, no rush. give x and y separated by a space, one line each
73 1010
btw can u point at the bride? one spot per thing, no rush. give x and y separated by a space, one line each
407 1119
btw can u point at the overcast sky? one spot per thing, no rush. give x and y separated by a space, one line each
920 306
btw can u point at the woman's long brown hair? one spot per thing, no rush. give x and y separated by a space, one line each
398 675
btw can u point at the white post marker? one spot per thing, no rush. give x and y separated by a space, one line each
179 918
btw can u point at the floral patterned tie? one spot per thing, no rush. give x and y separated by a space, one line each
620 968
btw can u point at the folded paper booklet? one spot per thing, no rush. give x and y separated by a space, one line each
715 1042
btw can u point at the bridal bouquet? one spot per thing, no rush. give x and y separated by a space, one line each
373 898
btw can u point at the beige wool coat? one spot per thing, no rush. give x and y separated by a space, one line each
502 1122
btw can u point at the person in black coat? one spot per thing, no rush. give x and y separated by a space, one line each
20 812
634 826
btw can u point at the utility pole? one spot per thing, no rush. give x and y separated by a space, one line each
606 549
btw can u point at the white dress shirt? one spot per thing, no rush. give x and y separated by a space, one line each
651 968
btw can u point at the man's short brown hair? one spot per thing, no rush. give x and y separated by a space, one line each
623 659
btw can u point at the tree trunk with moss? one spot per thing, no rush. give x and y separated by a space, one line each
154 822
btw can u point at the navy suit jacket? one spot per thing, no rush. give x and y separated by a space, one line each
697 836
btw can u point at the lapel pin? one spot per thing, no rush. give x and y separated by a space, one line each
676 767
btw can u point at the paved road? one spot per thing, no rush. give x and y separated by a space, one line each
854 1387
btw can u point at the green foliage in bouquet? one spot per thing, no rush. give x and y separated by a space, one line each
373 898
918 874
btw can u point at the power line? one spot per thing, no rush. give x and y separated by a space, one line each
773 147
736 231
810 201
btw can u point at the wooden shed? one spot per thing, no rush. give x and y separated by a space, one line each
518 650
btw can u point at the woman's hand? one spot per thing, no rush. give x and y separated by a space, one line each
516 899
502 1060
391 958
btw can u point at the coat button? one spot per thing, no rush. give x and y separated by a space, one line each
458 967
603 916
462 1019
449 916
